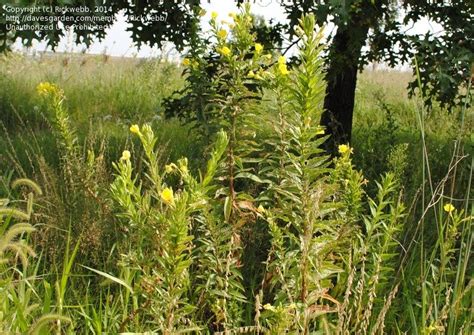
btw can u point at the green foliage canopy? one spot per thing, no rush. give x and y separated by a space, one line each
385 27
179 19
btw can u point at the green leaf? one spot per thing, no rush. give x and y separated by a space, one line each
227 208
253 177
112 278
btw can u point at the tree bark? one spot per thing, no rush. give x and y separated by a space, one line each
341 84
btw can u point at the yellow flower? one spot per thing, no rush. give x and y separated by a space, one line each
260 209
258 77
135 129
47 88
282 65
186 62
125 155
222 34
449 208
344 148
214 15
167 195
258 48
251 74
283 69
268 56
169 168
224 51
320 132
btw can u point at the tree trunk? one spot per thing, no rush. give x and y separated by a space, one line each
341 84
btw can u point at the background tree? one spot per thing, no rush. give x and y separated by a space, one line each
379 30
178 23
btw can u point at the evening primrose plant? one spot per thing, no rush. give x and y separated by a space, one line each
79 187
305 232
157 226
67 139
161 222
227 61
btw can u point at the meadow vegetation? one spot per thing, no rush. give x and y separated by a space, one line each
115 219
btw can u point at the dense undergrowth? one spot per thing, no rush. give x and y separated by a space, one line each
252 229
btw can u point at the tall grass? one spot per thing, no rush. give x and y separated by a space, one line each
387 133
116 88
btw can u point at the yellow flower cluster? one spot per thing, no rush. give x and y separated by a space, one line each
258 48
282 65
193 63
222 34
186 62
125 155
258 76
224 51
46 88
135 129
449 208
167 195
344 148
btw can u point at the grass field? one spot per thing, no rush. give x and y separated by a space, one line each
130 237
